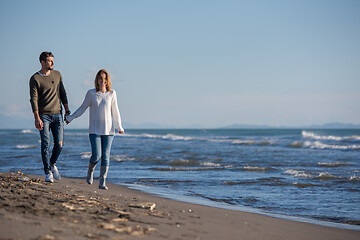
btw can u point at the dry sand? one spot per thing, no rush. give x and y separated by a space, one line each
72 209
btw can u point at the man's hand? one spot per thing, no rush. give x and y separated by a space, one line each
67 122
67 113
39 124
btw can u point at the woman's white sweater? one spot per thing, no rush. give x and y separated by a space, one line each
103 110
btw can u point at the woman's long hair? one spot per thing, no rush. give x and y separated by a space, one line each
107 78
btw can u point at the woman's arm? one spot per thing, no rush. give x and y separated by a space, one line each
116 113
81 109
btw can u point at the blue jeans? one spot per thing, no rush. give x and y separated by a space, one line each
55 124
100 148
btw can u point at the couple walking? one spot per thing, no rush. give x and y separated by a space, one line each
47 93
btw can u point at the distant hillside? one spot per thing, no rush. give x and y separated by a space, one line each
246 126
337 125
321 126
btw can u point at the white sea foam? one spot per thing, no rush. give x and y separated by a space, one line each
298 173
184 163
320 145
85 154
27 131
121 158
244 142
333 164
158 136
175 137
25 146
302 174
296 144
311 135
354 178
219 140
256 168
210 164
327 176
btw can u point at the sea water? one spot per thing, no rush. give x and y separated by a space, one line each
312 174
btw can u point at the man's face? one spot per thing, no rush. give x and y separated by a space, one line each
49 63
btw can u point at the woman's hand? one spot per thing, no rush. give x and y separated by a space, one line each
121 132
67 122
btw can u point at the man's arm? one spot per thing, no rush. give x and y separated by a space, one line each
38 123
63 97
34 103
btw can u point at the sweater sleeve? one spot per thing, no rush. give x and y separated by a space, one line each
62 92
33 94
116 113
81 109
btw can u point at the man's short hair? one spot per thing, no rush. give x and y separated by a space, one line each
44 55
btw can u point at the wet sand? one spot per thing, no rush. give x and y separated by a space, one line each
72 209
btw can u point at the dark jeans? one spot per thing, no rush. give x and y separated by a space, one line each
55 123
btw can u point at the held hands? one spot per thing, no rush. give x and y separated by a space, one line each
121 132
66 114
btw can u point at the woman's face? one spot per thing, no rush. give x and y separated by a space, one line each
102 80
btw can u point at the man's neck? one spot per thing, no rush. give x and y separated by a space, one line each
45 72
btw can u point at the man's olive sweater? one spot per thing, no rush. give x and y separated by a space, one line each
47 93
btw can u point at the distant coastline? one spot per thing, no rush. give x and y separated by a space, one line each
318 126
7 122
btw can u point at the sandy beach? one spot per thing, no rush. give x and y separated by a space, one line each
72 209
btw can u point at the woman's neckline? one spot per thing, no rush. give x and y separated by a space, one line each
101 92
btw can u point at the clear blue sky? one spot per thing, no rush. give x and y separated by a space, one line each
191 63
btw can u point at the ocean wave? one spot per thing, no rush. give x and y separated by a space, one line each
272 181
333 164
157 136
244 142
166 181
354 178
183 169
320 145
192 163
75 134
121 158
257 169
27 131
86 155
298 173
296 144
311 135
324 176
220 140
327 176
210 164
184 163
304 185
25 146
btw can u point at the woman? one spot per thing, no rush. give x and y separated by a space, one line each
103 110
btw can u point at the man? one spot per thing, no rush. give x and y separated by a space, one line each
47 93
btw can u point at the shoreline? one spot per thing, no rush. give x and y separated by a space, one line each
72 209
205 202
